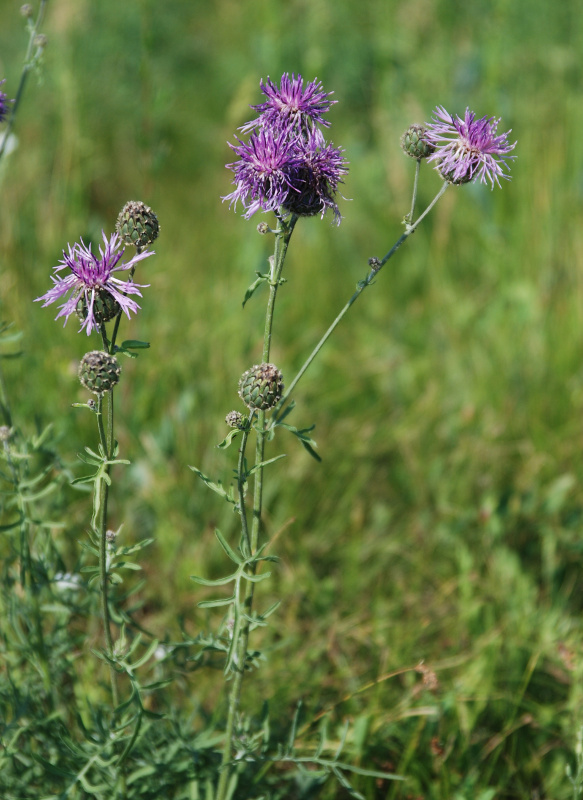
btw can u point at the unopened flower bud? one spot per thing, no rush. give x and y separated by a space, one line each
137 224
99 372
26 10
263 228
40 41
261 386
235 419
414 142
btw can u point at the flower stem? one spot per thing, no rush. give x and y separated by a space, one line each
283 236
29 61
411 213
102 534
361 286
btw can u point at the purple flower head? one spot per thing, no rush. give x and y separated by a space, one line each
287 163
91 279
4 103
467 149
291 105
264 172
317 176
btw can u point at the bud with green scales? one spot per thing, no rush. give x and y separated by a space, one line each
137 224
414 142
99 372
261 387
105 307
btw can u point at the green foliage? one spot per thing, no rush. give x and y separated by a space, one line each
444 523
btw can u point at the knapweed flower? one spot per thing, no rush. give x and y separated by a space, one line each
265 170
4 109
469 148
287 163
290 105
320 171
90 277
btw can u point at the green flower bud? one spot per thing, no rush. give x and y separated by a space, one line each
137 224
99 372
261 386
414 143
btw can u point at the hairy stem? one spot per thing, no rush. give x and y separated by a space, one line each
283 236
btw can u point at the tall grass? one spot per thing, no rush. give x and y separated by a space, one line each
444 522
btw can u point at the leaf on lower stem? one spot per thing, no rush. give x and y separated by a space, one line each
216 487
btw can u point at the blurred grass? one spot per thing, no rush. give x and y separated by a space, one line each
444 522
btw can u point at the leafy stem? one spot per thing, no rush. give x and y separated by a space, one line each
282 239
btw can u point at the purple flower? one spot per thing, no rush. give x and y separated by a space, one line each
287 163
466 149
4 103
264 172
319 172
91 279
291 105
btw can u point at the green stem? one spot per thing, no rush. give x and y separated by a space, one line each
28 64
241 480
410 215
283 236
102 533
359 289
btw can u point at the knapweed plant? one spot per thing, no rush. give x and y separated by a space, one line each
288 168
284 165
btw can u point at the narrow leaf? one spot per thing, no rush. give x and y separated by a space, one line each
216 487
265 463
228 440
227 548
217 582
251 289
216 603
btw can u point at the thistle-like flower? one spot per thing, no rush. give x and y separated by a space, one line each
287 163
292 105
4 109
265 171
469 148
317 177
92 276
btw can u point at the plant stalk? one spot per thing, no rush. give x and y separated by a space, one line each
283 236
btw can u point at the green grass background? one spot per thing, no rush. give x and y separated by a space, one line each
444 523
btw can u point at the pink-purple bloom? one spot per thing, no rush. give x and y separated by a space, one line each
90 276
291 104
287 164
264 172
320 171
4 109
469 148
